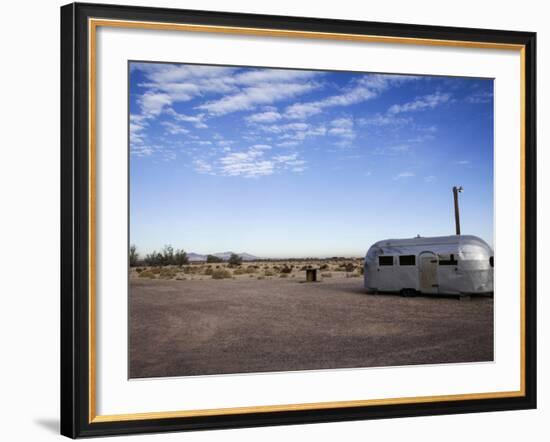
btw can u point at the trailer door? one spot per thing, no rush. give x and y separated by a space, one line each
427 268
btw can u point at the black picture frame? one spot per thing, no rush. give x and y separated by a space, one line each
75 220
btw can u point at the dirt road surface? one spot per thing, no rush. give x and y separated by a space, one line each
182 328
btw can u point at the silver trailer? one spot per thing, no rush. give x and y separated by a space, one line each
446 265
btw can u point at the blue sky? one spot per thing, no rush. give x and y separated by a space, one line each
296 163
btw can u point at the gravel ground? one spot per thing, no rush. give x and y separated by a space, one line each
182 328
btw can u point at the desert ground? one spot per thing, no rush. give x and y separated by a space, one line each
211 319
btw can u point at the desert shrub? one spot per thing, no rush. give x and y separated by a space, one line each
192 270
147 274
269 273
167 273
153 259
283 275
234 260
347 267
323 267
352 275
240 271
286 269
326 275
181 278
213 259
181 258
133 255
155 270
139 269
208 271
221 274
167 255
260 277
304 268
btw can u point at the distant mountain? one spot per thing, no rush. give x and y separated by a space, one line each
196 257
223 255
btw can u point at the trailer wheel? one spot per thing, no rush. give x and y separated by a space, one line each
408 293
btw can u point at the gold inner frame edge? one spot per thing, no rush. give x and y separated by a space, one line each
92 28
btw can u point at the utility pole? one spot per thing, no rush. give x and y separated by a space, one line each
456 191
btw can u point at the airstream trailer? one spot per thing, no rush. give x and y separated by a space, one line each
449 265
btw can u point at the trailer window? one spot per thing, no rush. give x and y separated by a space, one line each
407 260
385 260
492 261
448 261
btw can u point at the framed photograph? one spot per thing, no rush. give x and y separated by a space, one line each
274 220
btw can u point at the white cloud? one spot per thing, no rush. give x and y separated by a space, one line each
137 125
421 103
392 150
479 97
167 84
366 88
463 162
248 164
273 76
264 117
430 178
253 162
167 73
290 134
202 166
195 120
343 128
250 97
288 143
173 128
152 103
403 175
384 120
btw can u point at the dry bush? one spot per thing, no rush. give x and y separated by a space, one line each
147 274
286 269
283 275
323 267
221 274
260 277
326 275
269 273
168 273
347 267
208 271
